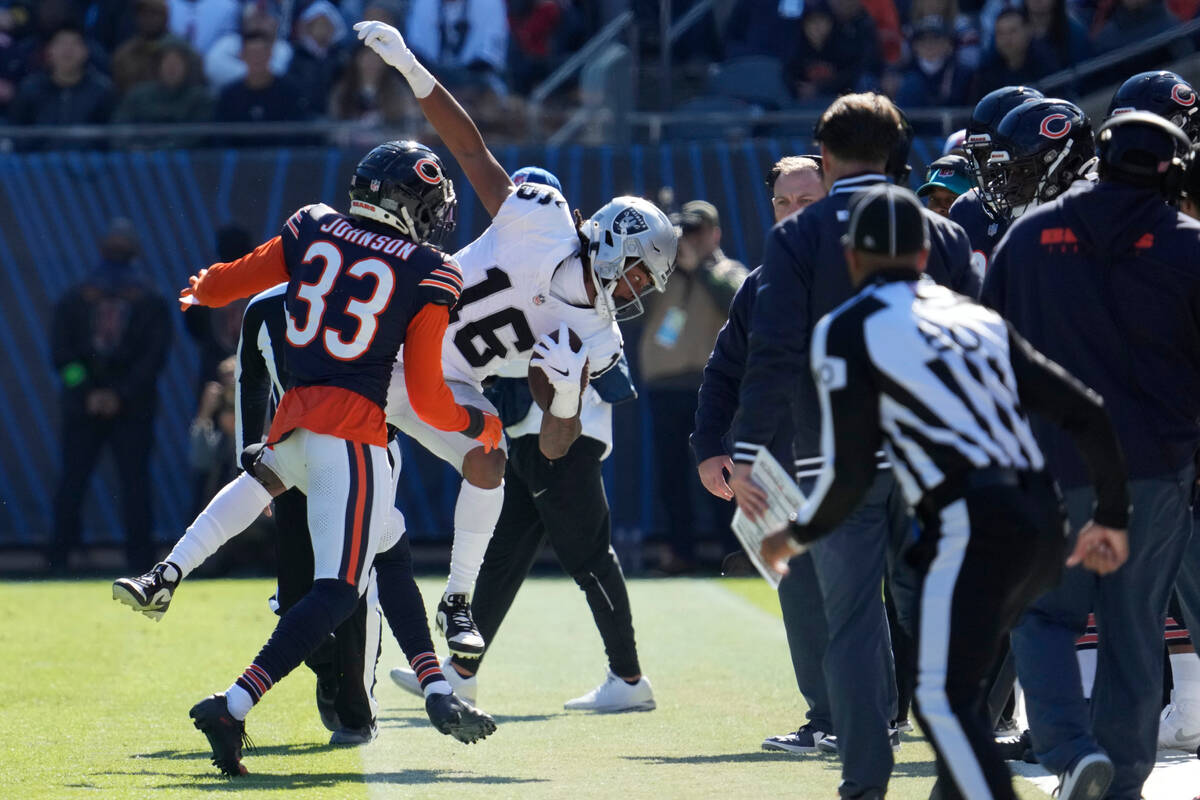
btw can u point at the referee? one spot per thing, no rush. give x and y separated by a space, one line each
943 383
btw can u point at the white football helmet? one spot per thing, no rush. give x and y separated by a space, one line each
627 231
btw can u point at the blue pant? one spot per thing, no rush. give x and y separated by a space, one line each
804 620
859 674
1130 607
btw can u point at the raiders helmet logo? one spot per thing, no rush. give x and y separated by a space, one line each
1182 93
629 222
429 171
1055 126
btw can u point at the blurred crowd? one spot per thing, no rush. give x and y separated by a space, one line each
80 62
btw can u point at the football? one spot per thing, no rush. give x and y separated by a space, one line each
539 384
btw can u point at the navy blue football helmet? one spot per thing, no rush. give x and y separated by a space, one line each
987 115
402 184
1039 149
1163 93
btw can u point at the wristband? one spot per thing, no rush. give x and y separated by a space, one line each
420 79
565 404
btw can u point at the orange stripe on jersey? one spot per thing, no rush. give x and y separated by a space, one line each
360 504
331 410
436 283
453 277
254 272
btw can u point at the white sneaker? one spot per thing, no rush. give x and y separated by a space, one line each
615 695
1179 727
466 688
1087 779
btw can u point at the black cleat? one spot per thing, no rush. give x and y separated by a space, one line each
225 734
454 620
150 593
327 690
456 717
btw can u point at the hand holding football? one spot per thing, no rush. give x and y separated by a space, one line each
553 363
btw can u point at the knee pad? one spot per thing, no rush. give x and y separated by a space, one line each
251 461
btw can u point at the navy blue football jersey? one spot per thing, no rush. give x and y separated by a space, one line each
355 286
983 231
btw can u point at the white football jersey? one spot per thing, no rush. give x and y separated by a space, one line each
506 304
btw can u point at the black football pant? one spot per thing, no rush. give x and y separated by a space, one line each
984 556
563 501
83 441
340 661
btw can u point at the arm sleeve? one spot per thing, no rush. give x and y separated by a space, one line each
427 390
779 334
258 270
718 398
252 385
850 433
1047 389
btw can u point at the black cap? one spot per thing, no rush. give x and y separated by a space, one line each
887 220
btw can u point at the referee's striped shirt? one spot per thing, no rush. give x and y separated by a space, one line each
943 384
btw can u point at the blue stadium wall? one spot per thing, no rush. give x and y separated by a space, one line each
54 208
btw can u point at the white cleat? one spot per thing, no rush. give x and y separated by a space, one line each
615 695
466 688
1179 727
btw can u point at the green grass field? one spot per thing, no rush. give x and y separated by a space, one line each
94 701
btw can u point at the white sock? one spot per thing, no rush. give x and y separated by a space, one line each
475 516
1185 671
229 513
1087 670
438 687
239 701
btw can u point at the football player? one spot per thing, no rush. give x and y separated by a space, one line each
360 287
554 491
982 222
533 269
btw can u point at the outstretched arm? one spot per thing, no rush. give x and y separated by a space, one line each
452 123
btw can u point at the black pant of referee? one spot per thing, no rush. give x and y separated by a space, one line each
343 681
989 545
562 501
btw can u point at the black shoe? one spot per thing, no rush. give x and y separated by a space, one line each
455 621
458 718
327 690
150 593
225 734
355 736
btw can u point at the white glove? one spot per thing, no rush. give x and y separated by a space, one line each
564 369
387 42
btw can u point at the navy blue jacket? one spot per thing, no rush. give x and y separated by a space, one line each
1106 282
718 400
803 278
983 231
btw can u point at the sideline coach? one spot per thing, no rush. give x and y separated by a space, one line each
1105 280
944 383
804 277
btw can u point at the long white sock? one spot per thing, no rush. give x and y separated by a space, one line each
229 513
475 516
